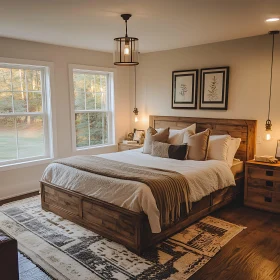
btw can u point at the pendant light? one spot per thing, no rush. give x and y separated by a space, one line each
126 48
135 111
268 131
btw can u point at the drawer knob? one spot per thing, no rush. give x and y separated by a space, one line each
267 199
269 183
269 173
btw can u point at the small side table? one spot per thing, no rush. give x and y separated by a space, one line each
262 186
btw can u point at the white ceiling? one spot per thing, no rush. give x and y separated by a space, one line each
159 24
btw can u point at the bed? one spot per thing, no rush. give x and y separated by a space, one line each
129 226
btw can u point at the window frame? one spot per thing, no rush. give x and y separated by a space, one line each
49 126
111 107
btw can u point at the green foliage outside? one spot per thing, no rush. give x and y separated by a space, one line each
90 94
20 92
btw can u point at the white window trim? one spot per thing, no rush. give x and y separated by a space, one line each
111 72
51 124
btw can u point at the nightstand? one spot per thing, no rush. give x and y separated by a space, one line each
126 147
262 186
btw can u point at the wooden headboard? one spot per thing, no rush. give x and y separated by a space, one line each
244 129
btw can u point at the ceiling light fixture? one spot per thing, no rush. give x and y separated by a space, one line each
268 124
126 48
272 19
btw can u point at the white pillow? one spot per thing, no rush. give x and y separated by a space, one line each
218 147
233 147
223 147
179 136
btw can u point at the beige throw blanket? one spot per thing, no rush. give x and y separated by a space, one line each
169 188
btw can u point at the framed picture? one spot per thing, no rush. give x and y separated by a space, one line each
184 89
214 88
138 135
277 155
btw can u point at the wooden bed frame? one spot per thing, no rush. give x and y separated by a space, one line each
132 229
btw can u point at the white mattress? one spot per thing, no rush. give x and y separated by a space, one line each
237 167
204 177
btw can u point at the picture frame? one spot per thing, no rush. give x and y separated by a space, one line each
184 89
277 154
138 135
214 84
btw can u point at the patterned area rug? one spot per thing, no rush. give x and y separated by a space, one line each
67 251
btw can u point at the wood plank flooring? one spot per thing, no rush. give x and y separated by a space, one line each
254 254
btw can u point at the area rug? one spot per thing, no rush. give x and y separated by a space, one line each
67 251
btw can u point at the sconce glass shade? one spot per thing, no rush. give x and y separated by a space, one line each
126 51
268 135
135 111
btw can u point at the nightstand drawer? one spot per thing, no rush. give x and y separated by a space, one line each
267 199
264 173
263 184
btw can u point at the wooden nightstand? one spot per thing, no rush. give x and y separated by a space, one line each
126 147
262 186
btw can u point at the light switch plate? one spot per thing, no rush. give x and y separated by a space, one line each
259 139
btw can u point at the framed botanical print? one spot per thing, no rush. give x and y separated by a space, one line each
214 84
184 89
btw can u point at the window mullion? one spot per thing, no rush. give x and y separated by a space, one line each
11 76
88 130
26 90
34 114
85 94
16 128
94 92
103 129
101 97
45 114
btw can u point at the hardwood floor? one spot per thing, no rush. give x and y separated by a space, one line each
254 254
19 197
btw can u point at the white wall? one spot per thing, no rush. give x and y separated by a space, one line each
22 180
249 60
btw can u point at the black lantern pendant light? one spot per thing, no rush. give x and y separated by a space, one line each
268 124
126 48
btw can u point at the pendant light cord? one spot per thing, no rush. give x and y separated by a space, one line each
135 83
126 28
271 73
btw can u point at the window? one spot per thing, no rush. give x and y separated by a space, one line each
24 133
93 94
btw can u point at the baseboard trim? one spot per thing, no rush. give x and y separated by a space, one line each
18 197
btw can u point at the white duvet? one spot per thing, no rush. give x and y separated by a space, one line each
204 177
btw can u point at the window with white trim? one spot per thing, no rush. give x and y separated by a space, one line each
24 113
93 110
